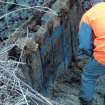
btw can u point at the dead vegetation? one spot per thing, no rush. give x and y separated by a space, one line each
32 59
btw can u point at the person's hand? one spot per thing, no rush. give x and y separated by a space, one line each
81 64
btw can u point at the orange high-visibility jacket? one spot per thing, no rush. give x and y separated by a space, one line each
95 18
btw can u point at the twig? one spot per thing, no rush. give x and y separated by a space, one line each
34 7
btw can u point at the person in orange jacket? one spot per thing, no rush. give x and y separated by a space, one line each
92 44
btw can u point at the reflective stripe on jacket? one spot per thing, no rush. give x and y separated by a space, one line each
95 19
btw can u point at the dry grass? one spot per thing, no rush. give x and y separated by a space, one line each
13 90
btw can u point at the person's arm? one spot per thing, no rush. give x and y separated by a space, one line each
85 39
